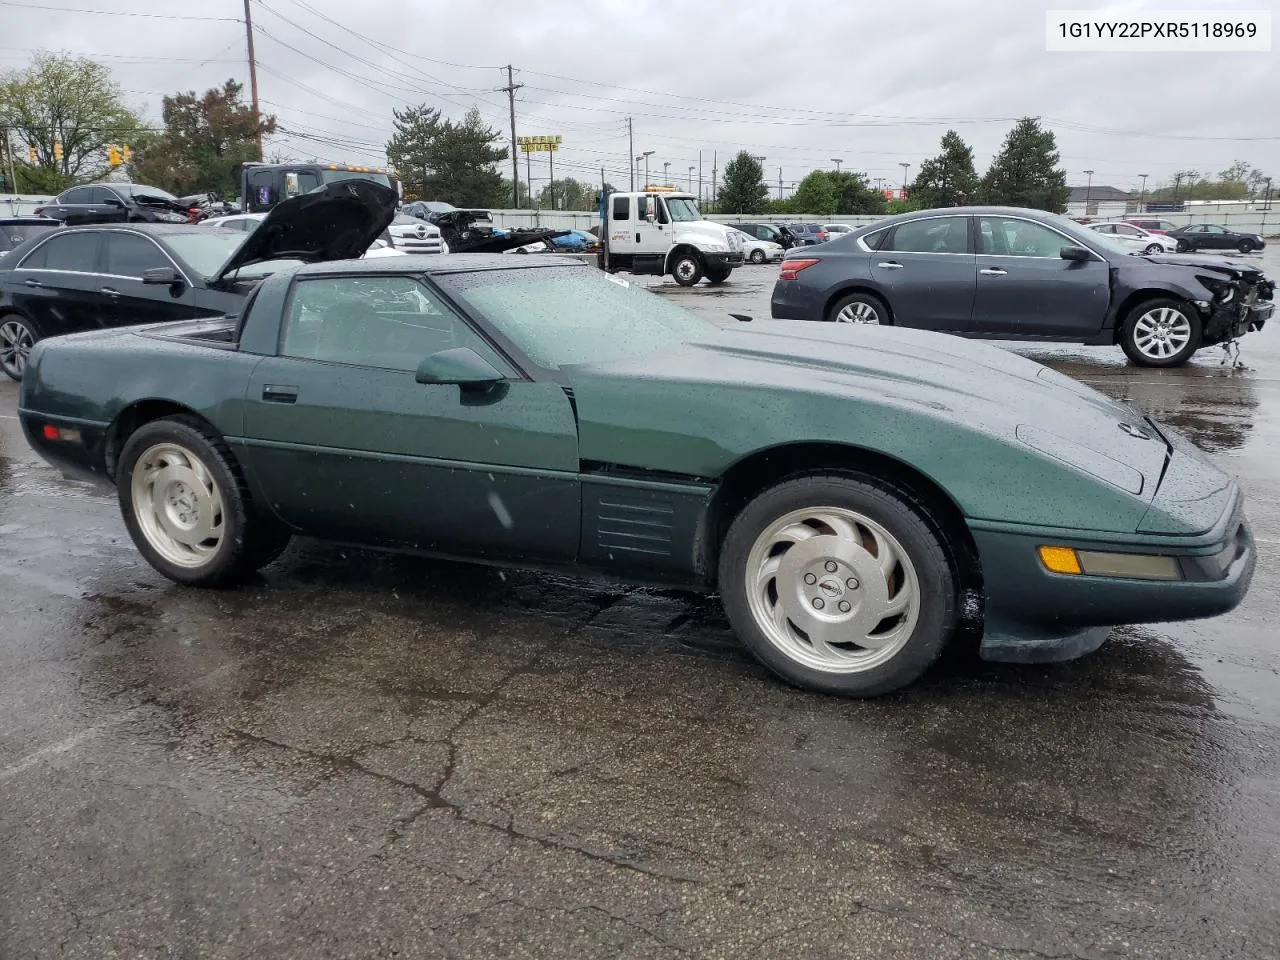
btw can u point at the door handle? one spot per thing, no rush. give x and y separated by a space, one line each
993 272
110 291
890 265
277 394
637 238
30 282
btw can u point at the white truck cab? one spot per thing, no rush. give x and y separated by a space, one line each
661 231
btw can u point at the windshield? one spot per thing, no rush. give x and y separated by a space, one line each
682 209
141 190
569 315
207 252
333 176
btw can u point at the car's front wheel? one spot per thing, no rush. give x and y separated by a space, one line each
1161 333
859 308
757 256
687 269
1152 249
839 583
187 508
17 336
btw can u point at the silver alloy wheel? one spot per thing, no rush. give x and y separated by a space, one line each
16 342
178 505
1160 333
757 256
1153 249
685 269
832 589
858 312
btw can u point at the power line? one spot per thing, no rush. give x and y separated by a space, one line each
115 13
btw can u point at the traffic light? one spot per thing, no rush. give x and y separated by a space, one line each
127 152
113 155
32 157
57 149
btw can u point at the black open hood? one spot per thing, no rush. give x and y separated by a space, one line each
338 221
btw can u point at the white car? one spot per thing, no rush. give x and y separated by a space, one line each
836 230
1136 237
248 222
416 236
760 251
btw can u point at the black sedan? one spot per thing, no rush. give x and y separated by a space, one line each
115 203
91 277
1013 274
1210 236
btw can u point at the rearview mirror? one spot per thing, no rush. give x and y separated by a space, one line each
461 365
1071 252
162 276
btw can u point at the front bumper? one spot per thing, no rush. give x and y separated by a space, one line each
1032 615
731 260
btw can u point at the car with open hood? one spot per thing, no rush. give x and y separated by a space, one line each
109 275
853 493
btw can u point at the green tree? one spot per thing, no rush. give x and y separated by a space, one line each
68 105
1025 172
947 180
815 195
569 194
743 189
854 194
205 140
449 160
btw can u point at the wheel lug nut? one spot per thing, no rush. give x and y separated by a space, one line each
852 583
831 566
810 579
844 606
818 603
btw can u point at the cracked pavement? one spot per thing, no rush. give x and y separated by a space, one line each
371 756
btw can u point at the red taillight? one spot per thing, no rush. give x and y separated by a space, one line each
50 432
38 212
791 267
66 434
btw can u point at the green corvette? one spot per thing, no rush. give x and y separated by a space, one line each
851 492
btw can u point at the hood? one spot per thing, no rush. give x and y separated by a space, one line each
338 221
1226 266
977 388
701 232
460 219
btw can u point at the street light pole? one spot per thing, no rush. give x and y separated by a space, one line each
1088 192
691 169
837 161
647 154
665 165
904 167
1142 195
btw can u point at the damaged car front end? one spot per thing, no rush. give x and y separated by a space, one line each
1241 300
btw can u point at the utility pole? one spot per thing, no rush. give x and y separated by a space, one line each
1142 194
1177 182
714 168
691 181
551 159
1088 192
253 75
631 141
904 167
510 90
699 178
665 165
647 155
779 183
837 161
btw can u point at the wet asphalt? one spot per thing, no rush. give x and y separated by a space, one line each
367 756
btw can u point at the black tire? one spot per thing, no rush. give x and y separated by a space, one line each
850 306
1129 333
1245 246
18 335
906 519
757 256
718 274
1153 249
247 541
687 269
1184 247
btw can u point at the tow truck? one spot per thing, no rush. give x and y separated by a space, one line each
659 231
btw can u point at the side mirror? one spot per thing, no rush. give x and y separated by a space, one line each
161 276
114 202
1072 252
461 365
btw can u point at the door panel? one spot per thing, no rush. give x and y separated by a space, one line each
127 300
1025 288
59 285
926 271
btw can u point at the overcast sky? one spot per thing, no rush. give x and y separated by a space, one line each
798 82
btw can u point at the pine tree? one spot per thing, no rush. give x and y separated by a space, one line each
448 160
947 180
1025 172
743 189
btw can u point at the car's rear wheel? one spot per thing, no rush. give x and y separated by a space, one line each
17 336
186 506
1246 246
839 583
1161 333
757 256
859 308
687 269
1152 249
1184 247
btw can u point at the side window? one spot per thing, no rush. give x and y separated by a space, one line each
103 195
76 195
1215 229
660 210
129 255
1019 238
936 235
393 323
76 251
308 180
1108 228
874 240
621 208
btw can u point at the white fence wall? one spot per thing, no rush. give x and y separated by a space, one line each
20 205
